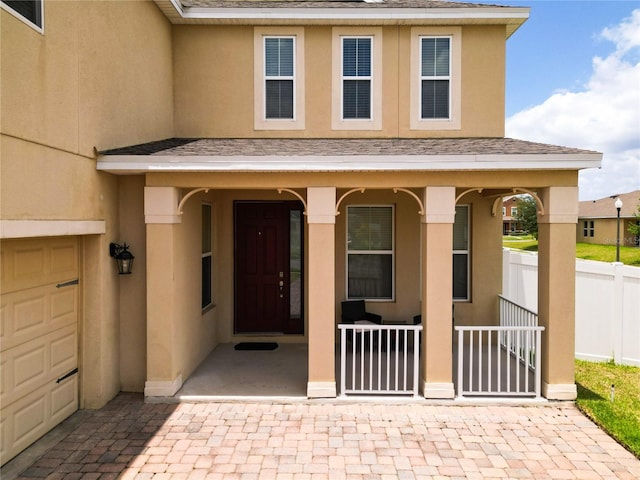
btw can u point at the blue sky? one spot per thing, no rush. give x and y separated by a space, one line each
573 78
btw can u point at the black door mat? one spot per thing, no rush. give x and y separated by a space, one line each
256 346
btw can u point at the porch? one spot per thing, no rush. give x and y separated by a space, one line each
381 361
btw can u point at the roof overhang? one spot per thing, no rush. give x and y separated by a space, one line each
367 14
273 155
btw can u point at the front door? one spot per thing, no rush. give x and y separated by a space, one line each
268 267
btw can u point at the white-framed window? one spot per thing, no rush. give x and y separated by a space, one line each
461 254
356 78
279 78
504 211
588 228
29 11
435 78
207 256
370 252
514 211
436 83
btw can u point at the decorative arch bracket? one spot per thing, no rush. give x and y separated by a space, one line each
479 190
516 190
417 198
360 189
295 194
189 195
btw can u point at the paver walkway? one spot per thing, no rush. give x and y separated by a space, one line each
333 440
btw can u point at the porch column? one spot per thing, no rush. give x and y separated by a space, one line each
556 290
321 217
437 292
160 205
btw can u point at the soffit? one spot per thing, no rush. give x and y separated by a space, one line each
339 12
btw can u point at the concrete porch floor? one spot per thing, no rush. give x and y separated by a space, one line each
229 374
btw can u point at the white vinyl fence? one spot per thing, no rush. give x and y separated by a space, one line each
607 304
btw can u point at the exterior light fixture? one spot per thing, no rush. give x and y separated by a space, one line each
618 206
123 257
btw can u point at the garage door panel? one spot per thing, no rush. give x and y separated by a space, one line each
36 311
39 362
38 339
28 263
64 399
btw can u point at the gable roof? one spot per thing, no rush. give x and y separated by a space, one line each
341 12
340 155
604 207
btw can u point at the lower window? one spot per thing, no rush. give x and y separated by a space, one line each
461 262
370 252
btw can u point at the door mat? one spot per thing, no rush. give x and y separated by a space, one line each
256 346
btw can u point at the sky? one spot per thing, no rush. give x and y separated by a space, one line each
573 79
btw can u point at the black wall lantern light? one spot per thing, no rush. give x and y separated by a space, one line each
123 257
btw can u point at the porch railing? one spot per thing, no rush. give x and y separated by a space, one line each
504 360
379 359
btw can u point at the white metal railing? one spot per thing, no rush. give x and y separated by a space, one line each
379 359
499 361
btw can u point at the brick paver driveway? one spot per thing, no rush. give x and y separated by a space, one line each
333 440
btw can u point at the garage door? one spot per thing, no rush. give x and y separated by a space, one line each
38 339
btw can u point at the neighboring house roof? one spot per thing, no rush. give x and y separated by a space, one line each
335 12
605 208
330 155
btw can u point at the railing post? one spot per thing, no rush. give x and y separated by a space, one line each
343 360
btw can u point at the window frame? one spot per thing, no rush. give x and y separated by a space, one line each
435 77
206 255
454 121
337 85
38 24
349 78
261 122
588 228
466 252
391 252
268 77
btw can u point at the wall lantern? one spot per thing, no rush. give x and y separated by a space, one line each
123 257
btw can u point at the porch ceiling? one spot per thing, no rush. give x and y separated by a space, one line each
342 155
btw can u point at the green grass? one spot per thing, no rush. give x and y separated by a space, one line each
619 417
586 251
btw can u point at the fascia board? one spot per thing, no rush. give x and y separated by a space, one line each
129 164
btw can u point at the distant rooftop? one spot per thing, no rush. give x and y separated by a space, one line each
605 208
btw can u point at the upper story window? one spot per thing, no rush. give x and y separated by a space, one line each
278 78
436 85
514 211
435 71
357 78
30 11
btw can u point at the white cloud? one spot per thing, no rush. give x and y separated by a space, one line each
603 116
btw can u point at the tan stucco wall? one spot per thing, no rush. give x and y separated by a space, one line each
605 232
93 79
214 83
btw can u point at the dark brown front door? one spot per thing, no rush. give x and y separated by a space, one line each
268 273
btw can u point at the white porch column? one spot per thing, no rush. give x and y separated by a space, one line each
556 290
160 205
437 292
321 217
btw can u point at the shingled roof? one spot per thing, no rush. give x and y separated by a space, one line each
339 155
605 208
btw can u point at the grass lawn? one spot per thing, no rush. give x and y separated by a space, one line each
619 417
586 251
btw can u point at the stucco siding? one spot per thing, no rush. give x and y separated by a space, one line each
214 83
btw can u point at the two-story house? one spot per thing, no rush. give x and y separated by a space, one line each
510 223
264 161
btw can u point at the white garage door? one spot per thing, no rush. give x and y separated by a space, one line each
38 339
